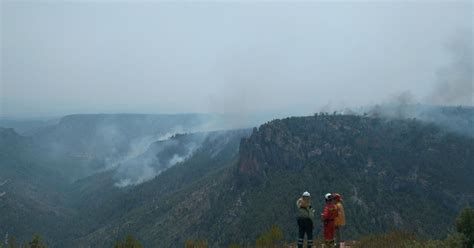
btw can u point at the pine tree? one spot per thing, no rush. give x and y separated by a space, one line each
465 225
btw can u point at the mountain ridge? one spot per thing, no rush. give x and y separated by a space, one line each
360 157
393 174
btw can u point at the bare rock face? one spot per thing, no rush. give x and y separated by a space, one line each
271 146
294 143
250 156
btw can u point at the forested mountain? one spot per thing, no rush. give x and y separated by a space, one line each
394 174
31 195
103 140
458 119
34 198
230 186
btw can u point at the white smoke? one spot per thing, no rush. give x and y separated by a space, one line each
176 159
140 145
140 174
454 84
148 164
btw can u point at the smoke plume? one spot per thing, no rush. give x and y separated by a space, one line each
454 84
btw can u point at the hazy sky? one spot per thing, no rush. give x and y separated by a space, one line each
63 57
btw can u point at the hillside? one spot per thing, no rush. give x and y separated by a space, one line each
26 127
230 186
100 141
31 195
35 198
100 203
393 174
458 119
401 174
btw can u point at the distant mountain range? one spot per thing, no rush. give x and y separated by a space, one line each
166 186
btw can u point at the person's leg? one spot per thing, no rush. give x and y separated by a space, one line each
327 234
300 233
309 233
332 230
341 236
337 238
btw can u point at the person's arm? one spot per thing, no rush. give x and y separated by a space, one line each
342 215
325 214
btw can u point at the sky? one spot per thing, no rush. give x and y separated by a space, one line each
291 57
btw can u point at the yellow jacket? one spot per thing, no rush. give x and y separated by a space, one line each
341 217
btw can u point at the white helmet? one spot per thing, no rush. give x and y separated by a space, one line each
328 196
306 193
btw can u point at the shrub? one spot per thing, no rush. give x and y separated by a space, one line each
196 244
129 242
271 238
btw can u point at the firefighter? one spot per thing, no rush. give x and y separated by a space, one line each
340 220
305 219
328 217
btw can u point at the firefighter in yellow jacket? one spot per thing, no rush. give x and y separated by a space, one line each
305 219
340 220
